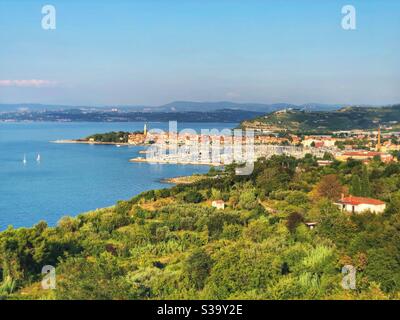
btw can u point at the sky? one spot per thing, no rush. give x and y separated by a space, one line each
152 52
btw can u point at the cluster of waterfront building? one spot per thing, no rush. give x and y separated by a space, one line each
213 147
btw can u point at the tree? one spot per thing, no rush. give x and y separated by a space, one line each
215 194
293 221
329 187
193 197
383 268
355 188
297 198
257 230
273 178
248 200
197 267
328 156
365 185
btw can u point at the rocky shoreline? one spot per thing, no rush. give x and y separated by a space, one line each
183 179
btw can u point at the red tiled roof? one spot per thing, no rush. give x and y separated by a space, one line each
360 200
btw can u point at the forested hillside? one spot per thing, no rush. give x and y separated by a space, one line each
317 121
172 244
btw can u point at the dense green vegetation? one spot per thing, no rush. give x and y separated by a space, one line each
115 137
321 122
171 244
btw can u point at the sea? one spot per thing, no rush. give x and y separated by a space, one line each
74 178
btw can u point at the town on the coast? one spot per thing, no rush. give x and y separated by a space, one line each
224 148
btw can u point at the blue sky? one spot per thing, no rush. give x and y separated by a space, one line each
153 52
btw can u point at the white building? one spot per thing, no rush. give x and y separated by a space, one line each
360 204
219 204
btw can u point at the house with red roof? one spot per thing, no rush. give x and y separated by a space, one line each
219 204
354 204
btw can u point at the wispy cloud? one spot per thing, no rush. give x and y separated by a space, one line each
35 83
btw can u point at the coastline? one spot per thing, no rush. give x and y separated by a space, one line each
72 141
184 179
154 161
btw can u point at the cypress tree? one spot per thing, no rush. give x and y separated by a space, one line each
365 185
355 188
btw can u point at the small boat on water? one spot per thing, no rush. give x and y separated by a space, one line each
118 145
38 157
24 160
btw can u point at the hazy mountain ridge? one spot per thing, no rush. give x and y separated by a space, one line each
176 106
79 115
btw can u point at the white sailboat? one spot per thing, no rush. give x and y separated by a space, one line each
24 160
38 157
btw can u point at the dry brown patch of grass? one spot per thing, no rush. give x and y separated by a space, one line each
155 205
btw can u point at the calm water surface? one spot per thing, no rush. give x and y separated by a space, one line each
74 178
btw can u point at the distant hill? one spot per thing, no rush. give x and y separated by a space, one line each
185 106
347 118
176 106
184 111
78 115
33 107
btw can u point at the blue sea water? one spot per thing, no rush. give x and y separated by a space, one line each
74 178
